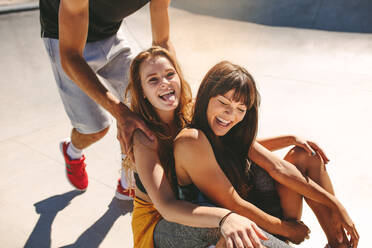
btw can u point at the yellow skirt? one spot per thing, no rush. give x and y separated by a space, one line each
144 219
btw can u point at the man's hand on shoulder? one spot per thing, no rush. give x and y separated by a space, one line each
127 123
140 139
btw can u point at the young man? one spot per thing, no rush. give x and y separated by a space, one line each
90 59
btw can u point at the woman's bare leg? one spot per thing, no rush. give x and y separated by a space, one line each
314 168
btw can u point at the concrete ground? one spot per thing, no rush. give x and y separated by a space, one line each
316 84
332 15
15 2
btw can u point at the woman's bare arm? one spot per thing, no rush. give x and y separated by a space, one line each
236 229
194 155
288 175
276 143
279 142
157 186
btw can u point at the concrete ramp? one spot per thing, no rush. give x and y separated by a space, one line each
313 83
331 15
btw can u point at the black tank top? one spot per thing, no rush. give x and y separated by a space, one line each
139 184
105 17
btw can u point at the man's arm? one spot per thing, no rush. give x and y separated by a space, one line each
160 24
73 32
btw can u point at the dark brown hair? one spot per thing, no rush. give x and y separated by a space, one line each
144 109
231 150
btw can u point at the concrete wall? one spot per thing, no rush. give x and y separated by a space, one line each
332 15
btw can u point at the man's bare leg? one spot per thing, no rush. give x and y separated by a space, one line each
82 141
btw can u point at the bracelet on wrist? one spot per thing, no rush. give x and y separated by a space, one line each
223 219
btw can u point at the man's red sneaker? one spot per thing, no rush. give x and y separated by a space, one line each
75 169
124 194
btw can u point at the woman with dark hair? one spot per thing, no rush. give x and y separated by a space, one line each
218 160
161 96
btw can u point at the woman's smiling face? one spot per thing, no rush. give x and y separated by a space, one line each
223 113
160 83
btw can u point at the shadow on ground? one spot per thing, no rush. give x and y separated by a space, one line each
330 15
92 237
48 210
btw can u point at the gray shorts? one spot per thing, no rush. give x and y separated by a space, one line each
110 60
172 235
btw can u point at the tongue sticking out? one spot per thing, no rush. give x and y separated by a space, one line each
169 97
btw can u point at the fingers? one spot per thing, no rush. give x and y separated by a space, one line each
229 242
247 239
126 139
309 150
357 237
121 142
239 243
118 136
254 238
354 236
259 232
121 135
308 231
345 240
126 128
250 238
141 125
319 151
339 235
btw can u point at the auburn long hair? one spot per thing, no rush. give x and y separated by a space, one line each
231 150
140 105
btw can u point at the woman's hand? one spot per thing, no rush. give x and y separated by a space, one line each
311 147
241 232
298 231
342 221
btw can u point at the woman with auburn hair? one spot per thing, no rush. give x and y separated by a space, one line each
161 96
220 156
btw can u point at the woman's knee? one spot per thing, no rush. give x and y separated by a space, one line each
302 160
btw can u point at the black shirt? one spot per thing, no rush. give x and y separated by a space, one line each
105 17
